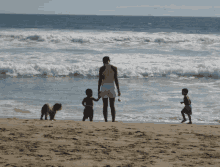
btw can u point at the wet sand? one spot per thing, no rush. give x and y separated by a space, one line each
32 142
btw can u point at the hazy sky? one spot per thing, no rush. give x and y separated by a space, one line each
209 8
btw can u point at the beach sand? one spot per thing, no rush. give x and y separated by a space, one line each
32 142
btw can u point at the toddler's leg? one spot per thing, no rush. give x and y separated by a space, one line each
41 116
51 116
184 119
46 116
91 117
190 122
84 118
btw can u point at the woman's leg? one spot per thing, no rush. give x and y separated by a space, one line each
112 106
105 108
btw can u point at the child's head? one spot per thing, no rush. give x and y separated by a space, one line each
105 59
57 107
89 92
184 91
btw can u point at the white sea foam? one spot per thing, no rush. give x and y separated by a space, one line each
136 54
158 65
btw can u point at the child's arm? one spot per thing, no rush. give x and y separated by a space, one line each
96 99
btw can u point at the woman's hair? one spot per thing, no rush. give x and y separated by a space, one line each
105 59
185 90
57 106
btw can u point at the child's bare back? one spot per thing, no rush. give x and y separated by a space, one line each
88 104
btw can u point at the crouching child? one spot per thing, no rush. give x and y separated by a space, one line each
46 109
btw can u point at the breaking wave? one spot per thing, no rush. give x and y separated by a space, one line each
40 69
112 37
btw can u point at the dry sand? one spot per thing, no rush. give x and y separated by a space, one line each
31 142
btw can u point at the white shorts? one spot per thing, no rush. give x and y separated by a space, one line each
108 90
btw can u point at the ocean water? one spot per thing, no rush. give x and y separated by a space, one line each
55 58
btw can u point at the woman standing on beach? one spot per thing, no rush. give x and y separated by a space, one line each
107 77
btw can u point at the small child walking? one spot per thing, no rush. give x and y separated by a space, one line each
188 108
88 104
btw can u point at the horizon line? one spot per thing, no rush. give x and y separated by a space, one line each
104 15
